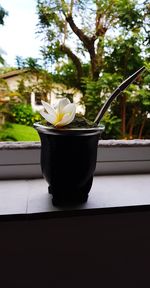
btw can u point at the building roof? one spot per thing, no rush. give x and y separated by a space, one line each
12 73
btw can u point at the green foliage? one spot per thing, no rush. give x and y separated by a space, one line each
112 127
17 132
23 114
7 136
129 16
96 92
29 63
66 74
3 13
2 61
123 55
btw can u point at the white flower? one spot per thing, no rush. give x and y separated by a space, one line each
60 115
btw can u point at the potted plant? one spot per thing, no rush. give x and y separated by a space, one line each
68 152
69 148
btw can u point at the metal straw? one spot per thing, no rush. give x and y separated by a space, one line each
120 89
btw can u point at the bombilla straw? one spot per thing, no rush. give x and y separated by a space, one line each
120 89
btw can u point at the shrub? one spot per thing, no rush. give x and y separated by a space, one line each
23 114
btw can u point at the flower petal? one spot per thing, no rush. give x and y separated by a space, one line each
61 104
70 108
48 108
68 117
64 121
51 118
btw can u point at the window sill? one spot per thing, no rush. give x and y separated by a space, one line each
21 160
25 199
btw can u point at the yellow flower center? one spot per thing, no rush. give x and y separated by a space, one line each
58 118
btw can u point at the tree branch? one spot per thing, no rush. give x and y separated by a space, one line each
101 27
88 42
75 60
65 32
71 6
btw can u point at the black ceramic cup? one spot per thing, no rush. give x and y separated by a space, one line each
68 161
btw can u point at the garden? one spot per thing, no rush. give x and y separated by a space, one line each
19 123
102 56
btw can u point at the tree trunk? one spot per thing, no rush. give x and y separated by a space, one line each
123 115
95 68
131 127
141 128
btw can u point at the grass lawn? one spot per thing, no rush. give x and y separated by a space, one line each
17 132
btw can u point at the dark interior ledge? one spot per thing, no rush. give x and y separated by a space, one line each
107 246
102 143
129 210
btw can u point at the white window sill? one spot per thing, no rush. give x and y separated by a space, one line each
22 160
30 198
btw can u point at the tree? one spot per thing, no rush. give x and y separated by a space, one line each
3 13
3 85
87 24
110 36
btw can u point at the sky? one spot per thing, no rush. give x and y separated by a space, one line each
18 35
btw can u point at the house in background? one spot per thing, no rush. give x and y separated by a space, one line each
32 82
